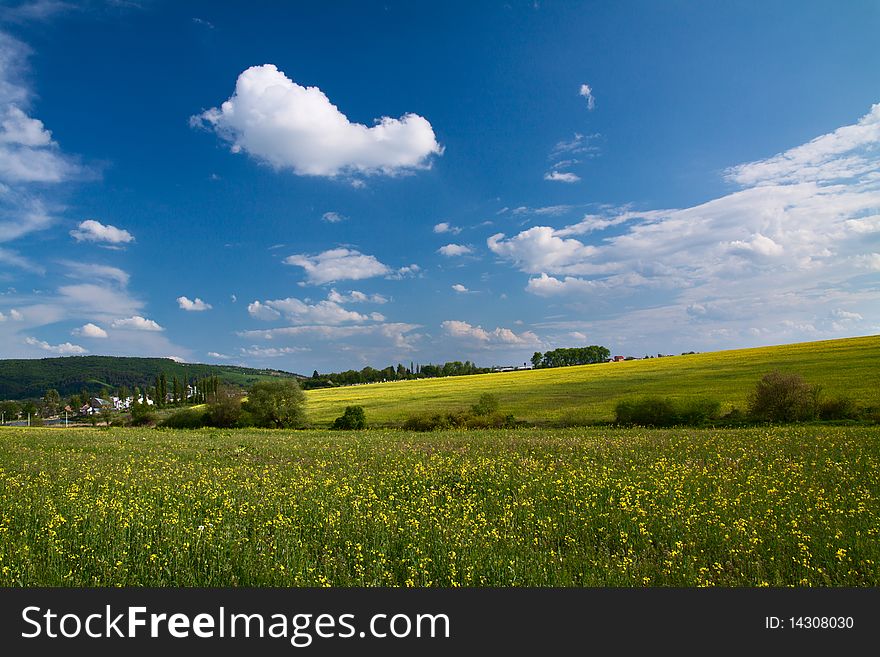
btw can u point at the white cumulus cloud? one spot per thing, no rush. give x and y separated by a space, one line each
496 337
770 261
289 126
63 349
560 176
337 265
451 250
94 231
458 287
446 227
262 311
407 271
136 323
193 305
540 249
90 331
299 312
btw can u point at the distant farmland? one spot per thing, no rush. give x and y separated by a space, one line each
588 393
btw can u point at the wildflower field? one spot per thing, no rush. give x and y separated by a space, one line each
795 506
588 393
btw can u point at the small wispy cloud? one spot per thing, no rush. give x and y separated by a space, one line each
587 92
333 217
560 176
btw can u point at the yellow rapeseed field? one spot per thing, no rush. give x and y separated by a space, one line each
588 393
794 506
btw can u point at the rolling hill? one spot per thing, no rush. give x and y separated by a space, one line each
847 367
30 378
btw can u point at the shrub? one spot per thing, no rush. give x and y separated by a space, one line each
734 418
648 412
245 419
141 415
277 404
665 412
433 422
841 408
780 397
493 421
353 418
487 405
441 421
699 411
188 418
224 410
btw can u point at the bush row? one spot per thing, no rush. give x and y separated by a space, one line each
778 398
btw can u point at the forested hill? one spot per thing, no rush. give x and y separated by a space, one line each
30 378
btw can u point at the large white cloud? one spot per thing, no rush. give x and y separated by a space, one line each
338 265
778 255
30 160
288 126
847 153
27 152
540 248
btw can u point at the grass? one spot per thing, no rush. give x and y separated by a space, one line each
794 506
588 393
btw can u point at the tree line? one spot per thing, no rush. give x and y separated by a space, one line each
564 357
391 373
30 378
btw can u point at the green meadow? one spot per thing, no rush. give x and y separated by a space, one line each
588 393
782 506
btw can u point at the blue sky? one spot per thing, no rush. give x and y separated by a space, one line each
330 185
